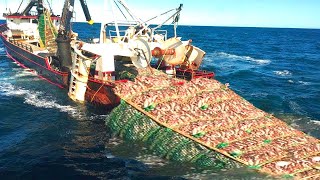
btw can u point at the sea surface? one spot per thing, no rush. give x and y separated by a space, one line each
44 135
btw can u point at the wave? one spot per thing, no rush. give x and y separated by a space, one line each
7 78
295 107
301 121
259 95
114 141
315 122
282 73
25 73
299 82
152 160
246 58
8 89
2 49
15 69
304 83
37 99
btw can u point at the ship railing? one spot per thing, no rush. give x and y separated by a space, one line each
123 34
163 33
113 33
3 28
22 45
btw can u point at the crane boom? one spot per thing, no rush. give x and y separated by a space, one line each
86 11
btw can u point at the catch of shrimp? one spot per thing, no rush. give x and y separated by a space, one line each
213 115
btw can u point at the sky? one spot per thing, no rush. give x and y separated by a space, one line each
243 13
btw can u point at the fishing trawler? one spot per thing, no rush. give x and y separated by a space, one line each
44 42
192 118
37 39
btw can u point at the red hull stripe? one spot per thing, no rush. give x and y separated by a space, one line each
56 72
34 71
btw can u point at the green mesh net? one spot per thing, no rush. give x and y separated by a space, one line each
131 124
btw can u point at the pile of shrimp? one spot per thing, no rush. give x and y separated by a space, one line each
216 116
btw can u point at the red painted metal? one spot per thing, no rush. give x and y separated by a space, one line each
158 52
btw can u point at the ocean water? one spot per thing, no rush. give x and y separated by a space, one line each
44 135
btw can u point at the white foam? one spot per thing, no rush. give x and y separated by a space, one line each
283 73
299 82
24 73
37 99
304 83
6 78
152 160
115 141
109 155
8 89
246 58
315 122
16 69
2 49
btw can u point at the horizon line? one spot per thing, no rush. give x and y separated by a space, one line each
227 26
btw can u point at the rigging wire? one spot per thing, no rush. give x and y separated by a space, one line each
120 10
128 10
19 6
159 15
50 6
175 17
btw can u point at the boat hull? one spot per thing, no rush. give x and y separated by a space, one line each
26 59
97 93
101 94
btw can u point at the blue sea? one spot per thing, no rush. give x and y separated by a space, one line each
44 135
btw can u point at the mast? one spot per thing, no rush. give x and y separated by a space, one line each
64 36
64 33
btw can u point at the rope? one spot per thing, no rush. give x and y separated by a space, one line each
97 92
